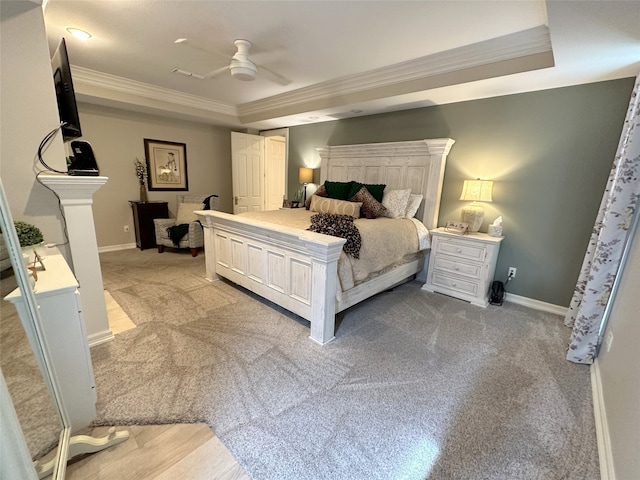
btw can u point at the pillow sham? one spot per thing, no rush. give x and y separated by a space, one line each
371 208
413 205
335 206
321 191
396 202
339 190
185 212
377 190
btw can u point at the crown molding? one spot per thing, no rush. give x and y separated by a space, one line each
104 81
521 45
518 52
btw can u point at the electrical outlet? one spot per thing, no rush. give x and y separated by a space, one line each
609 339
512 272
126 228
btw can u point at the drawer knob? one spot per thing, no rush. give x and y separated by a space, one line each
453 284
459 250
456 268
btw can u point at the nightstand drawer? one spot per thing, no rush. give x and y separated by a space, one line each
467 287
463 250
450 264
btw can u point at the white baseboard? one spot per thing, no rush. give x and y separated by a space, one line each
602 427
100 337
115 248
536 304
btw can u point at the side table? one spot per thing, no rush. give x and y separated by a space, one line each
143 215
462 266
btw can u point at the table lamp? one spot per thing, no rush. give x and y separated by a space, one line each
305 176
476 191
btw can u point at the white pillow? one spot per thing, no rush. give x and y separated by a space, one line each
335 206
413 205
396 202
185 212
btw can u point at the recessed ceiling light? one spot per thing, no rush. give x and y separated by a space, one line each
180 40
81 34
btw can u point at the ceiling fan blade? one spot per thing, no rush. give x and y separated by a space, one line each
276 77
216 72
197 46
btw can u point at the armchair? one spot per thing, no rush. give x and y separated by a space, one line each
186 223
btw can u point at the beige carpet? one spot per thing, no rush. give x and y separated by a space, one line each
416 385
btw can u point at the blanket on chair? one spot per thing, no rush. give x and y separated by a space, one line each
176 233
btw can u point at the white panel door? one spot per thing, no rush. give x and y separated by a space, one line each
275 166
247 170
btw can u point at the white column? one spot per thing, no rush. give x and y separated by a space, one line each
76 197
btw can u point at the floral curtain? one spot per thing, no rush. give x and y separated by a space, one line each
608 239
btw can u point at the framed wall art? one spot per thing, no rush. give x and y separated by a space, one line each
166 165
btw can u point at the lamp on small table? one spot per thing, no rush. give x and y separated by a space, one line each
475 191
305 176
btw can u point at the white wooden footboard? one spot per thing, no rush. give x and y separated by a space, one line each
293 268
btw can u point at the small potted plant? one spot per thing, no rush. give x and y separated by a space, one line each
30 238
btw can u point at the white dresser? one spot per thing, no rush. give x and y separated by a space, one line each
462 266
65 336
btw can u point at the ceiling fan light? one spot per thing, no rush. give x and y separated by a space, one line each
243 73
78 33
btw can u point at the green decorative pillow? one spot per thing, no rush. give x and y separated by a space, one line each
377 190
339 190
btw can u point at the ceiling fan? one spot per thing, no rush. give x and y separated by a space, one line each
241 67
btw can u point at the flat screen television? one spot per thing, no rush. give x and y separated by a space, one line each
67 106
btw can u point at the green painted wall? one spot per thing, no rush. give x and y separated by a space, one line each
549 154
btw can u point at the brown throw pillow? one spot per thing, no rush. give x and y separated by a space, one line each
371 208
321 192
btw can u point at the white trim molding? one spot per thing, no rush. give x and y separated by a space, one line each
116 248
605 457
536 304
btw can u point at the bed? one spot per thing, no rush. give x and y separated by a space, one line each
298 269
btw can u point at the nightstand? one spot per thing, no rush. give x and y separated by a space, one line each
462 266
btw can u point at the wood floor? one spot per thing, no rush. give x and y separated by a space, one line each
160 452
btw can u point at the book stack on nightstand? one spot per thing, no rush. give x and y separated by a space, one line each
462 266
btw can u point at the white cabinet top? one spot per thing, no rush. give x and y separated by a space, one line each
56 278
477 236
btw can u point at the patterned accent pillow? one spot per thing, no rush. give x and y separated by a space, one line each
377 190
185 212
339 190
371 208
338 226
413 205
332 205
321 191
396 202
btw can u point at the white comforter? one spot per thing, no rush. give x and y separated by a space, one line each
386 242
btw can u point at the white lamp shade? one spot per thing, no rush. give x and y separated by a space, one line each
305 175
477 190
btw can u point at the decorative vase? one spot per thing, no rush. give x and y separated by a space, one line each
29 253
143 193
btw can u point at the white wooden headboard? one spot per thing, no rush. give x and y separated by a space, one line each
418 165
